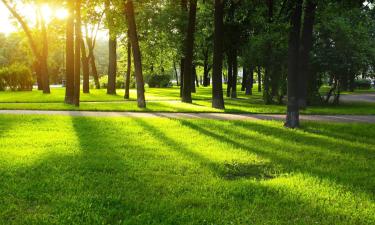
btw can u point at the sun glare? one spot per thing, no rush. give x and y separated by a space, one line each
61 14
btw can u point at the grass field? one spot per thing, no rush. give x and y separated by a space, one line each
164 100
77 170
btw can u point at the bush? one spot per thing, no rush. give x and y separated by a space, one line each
159 81
120 82
362 84
16 77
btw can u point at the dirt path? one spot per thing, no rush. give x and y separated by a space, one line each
216 116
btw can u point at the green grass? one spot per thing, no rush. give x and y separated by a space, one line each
79 170
164 100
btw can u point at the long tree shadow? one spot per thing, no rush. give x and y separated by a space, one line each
292 159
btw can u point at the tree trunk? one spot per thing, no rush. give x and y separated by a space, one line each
85 69
133 35
244 79
267 97
38 75
259 79
175 71
250 81
206 69
292 118
182 68
234 75
69 51
230 75
305 49
77 54
217 77
189 52
92 62
128 70
193 80
112 65
44 59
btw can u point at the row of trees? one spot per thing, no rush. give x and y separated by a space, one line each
293 46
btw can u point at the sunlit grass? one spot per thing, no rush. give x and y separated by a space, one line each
165 100
77 170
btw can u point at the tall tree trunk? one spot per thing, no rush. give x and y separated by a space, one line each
234 75
175 71
133 35
92 62
193 80
244 79
77 54
267 97
305 49
44 58
112 65
128 70
250 81
38 74
206 69
69 51
184 10
292 118
182 68
217 77
259 71
85 69
189 52
230 75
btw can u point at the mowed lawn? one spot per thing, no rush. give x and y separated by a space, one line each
165 100
81 170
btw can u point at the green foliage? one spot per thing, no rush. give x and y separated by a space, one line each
120 82
159 81
16 77
362 84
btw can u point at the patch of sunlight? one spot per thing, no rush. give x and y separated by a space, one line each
324 195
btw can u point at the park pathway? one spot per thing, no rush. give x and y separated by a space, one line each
215 116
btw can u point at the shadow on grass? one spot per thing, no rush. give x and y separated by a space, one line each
314 155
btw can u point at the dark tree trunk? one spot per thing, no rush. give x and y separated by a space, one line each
184 10
92 62
244 79
206 69
38 75
182 68
234 75
189 52
175 71
112 65
267 97
250 81
230 75
217 78
85 69
69 51
292 118
259 79
77 54
133 35
193 80
128 70
43 59
305 49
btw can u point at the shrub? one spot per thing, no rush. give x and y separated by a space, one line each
16 77
362 84
159 81
120 82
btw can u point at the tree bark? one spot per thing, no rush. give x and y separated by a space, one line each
292 118
259 79
189 52
305 49
128 70
69 51
44 58
230 75
234 75
206 69
77 54
250 82
217 77
85 69
92 62
133 35
244 79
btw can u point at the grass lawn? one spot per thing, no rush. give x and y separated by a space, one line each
164 100
79 170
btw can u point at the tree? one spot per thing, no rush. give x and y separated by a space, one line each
189 53
41 55
217 79
77 53
133 36
128 71
69 51
112 48
292 119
